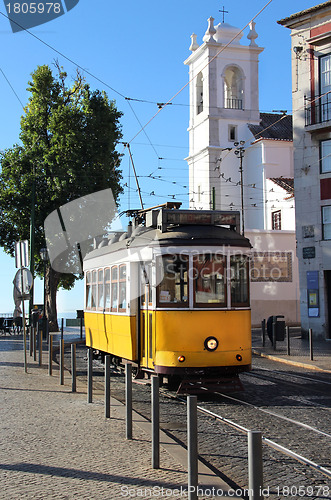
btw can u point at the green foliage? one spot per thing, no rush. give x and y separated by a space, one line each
67 150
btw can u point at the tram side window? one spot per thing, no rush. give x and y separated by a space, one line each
100 290
107 289
114 288
88 291
173 289
122 288
239 281
209 280
94 290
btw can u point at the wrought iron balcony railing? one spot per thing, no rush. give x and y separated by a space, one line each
318 111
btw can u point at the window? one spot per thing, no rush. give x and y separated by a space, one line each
325 156
114 288
326 222
233 88
100 290
88 290
107 289
173 288
122 288
94 290
276 219
209 280
199 97
239 281
145 281
325 87
232 133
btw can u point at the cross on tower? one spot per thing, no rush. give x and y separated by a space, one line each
224 12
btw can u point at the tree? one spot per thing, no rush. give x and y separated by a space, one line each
67 150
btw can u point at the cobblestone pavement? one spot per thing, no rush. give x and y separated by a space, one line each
225 448
54 445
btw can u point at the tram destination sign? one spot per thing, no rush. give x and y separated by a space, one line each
201 217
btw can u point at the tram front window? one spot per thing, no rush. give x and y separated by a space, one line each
173 289
210 283
239 281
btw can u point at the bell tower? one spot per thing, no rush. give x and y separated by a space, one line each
224 99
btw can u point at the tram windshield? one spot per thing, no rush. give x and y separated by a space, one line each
173 290
209 280
239 273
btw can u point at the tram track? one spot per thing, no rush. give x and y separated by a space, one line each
223 425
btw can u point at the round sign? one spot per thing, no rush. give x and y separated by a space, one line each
23 281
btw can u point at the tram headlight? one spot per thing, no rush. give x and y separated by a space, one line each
211 344
181 359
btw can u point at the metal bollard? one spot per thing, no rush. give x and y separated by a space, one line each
31 340
311 347
274 326
107 386
34 344
89 375
255 465
192 447
61 361
155 423
263 332
40 342
128 399
50 355
73 368
288 340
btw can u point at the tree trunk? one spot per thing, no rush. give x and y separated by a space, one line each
52 281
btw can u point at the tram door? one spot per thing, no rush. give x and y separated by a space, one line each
146 328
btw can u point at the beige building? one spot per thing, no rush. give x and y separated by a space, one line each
311 90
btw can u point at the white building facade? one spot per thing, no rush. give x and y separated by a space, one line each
311 91
241 159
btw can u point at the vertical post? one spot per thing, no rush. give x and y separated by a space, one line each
255 465
89 375
40 340
31 339
81 328
34 344
192 447
263 332
274 326
73 368
50 355
155 423
288 340
107 386
128 399
61 361
311 347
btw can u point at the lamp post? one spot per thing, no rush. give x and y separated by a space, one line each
44 257
240 151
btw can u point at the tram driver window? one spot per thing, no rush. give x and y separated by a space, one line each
88 291
239 281
209 280
173 289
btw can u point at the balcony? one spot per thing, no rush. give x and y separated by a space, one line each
318 112
233 103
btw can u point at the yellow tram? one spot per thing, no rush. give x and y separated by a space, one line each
171 295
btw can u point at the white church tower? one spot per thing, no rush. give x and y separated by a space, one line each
241 159
224 97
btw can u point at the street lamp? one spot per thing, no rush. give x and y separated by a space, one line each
44 257
240 151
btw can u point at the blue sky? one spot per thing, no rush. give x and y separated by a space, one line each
138 49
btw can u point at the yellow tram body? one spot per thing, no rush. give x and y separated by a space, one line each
189 320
